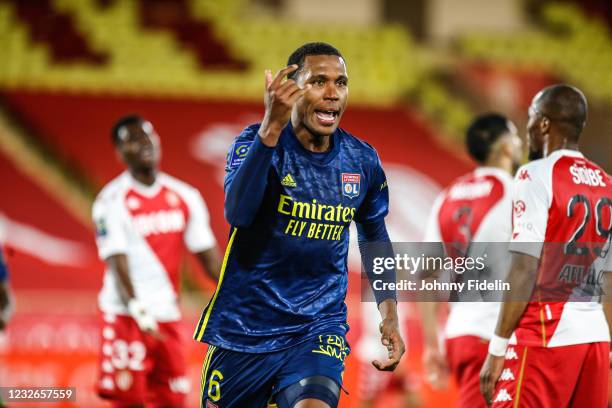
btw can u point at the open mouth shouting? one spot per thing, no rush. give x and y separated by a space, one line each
327 117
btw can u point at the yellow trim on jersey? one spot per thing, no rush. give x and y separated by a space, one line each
202 380
520 380
211 350
214 298
205 365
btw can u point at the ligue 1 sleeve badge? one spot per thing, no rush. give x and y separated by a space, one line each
351 184
238 153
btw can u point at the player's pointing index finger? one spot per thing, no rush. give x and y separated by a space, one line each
268 76
281 74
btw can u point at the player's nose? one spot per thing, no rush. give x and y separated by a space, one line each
145 141
331 92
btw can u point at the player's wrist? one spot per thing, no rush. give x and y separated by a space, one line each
268 142
388 309
498 346
269 132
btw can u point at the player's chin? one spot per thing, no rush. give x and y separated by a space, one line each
324 130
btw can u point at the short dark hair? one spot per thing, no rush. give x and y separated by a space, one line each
484 131
566 106
131 119
314 48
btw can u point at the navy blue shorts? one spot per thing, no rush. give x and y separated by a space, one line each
232 379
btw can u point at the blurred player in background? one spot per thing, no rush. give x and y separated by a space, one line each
477 207
143 218
277 322
6 301
561 237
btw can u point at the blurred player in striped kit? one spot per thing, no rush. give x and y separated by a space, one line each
403 384
551 343
144 218
475 208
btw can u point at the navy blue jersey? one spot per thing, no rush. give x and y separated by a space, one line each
284 276
3 268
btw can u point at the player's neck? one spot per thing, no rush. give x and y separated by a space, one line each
559 143
501 162
312 141
144 176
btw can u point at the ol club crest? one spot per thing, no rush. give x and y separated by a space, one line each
351 184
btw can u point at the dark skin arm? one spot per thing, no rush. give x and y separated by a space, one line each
434 361
211 262
119 265
390 336
5 301
429 316
522 278
209 259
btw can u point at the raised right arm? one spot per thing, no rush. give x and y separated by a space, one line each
250 157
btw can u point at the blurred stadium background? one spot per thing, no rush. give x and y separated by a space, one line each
419 70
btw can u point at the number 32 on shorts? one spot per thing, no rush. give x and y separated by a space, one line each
214 385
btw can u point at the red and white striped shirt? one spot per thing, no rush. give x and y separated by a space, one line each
151 225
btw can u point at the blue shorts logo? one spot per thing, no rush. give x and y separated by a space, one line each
238 153
351 185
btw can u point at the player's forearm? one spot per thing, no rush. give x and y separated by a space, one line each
429 321
522 277
137 310
119 265
509 317
211 262
376 233
244 194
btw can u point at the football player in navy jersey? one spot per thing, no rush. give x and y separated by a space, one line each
5 294
277 322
